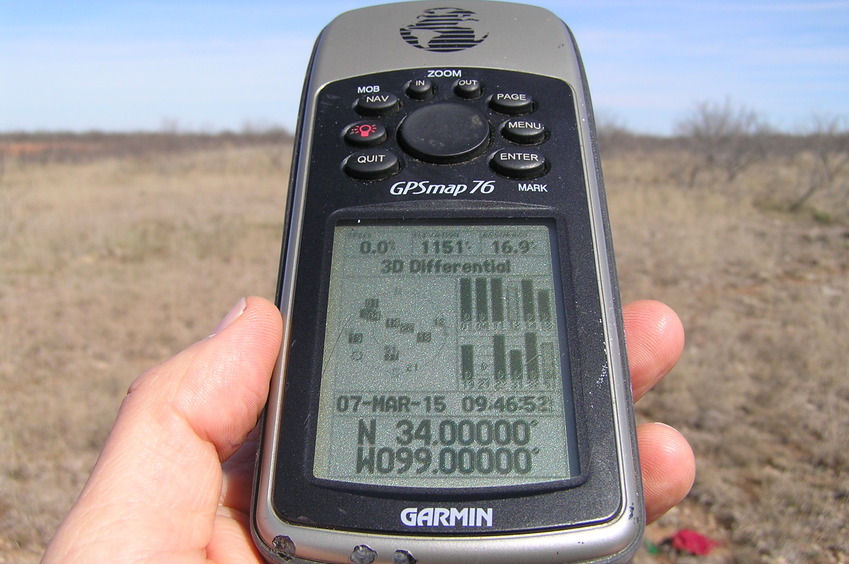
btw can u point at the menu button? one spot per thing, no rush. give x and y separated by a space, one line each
525 132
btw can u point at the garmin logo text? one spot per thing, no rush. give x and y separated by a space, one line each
445 517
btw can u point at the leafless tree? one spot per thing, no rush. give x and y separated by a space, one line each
613 135
825 160
723 136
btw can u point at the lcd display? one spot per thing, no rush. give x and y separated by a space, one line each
444 361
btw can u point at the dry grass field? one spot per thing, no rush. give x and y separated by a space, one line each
110 261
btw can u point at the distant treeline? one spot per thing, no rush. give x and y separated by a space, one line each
713 146
74 146
774 143
61 146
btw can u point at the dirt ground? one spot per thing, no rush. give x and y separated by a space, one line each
110 264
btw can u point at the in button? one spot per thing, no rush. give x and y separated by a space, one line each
419 89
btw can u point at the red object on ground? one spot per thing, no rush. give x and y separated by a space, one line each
690 541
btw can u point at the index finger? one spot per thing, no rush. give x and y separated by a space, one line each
654 337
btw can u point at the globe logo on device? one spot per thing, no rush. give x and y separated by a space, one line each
444 30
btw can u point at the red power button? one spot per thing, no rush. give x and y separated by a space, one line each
365 134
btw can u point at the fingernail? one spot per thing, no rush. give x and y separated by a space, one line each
662 424
232 316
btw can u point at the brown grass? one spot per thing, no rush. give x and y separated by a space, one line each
108 267
111 264
762 390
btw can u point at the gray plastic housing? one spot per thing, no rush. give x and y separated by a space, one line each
518 38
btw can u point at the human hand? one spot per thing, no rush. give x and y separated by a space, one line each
173 481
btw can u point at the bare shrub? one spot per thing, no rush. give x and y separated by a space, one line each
724 138
824 162
612 133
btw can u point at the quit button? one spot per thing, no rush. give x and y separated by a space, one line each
373 164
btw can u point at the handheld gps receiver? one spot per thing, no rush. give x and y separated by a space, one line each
453 386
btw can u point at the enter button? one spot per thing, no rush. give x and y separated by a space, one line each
518 164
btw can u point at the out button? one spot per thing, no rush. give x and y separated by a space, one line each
468 88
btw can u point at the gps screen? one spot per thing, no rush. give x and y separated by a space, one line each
444 359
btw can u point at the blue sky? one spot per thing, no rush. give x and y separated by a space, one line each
211 65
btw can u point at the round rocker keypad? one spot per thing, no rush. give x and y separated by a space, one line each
444 133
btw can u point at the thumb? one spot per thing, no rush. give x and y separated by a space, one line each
155 488
219 385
